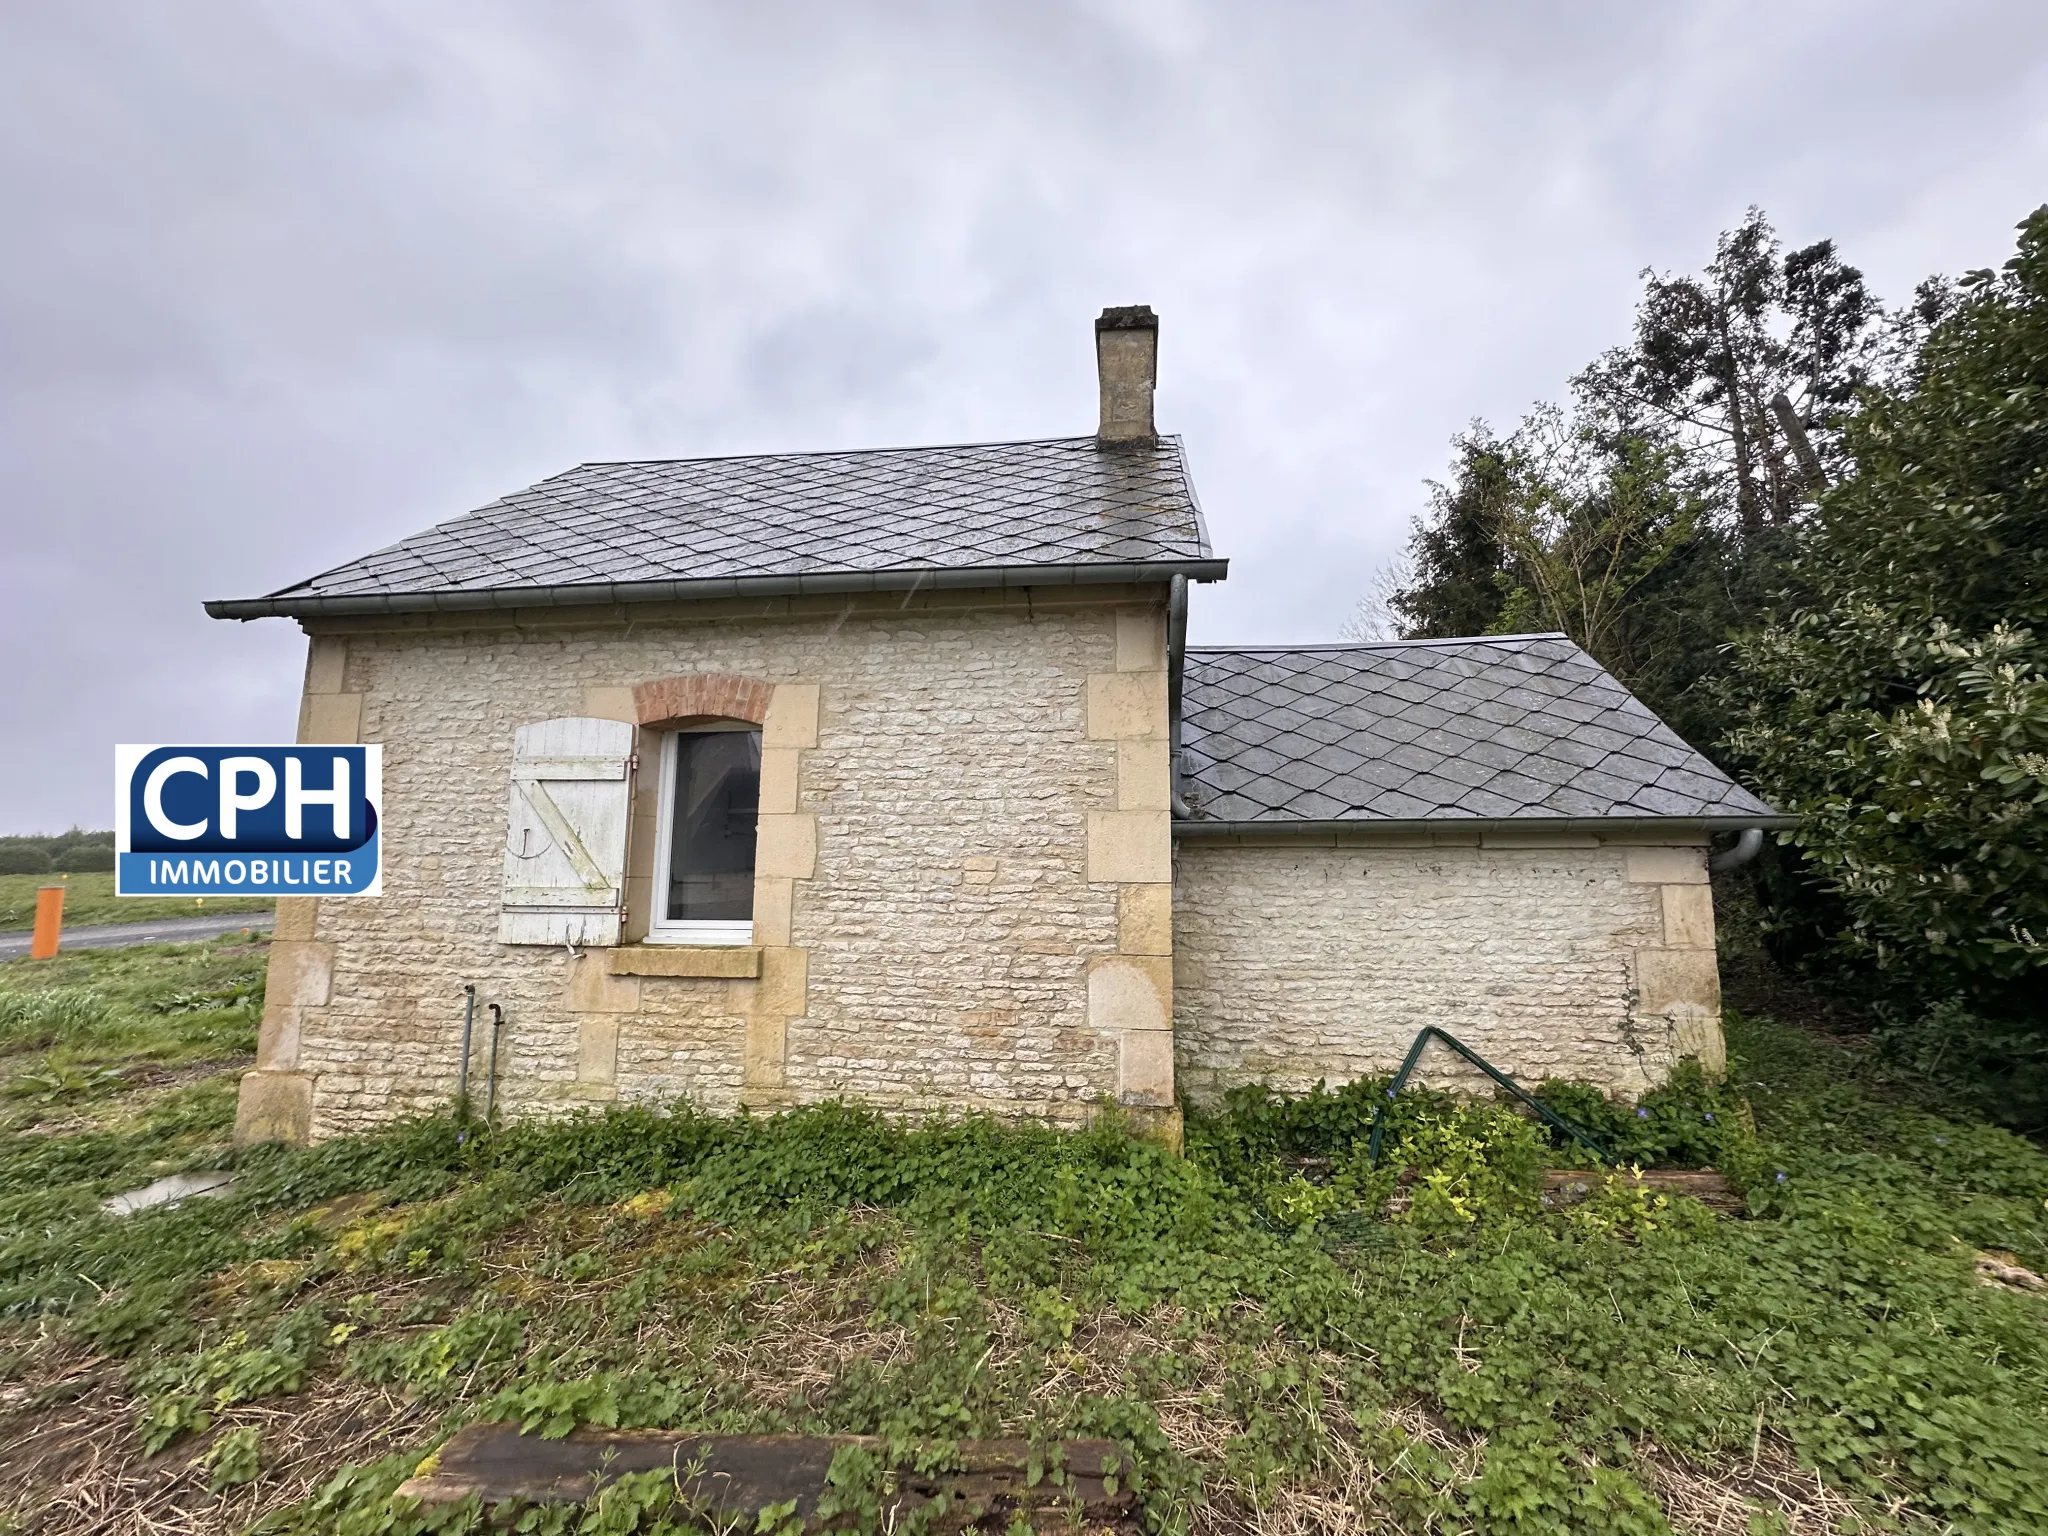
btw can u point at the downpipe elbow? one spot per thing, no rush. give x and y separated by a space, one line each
1747 847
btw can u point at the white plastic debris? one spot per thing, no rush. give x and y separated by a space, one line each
168 1191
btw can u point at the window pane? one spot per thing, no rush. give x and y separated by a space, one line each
711 847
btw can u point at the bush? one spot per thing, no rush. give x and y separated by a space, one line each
1901 711
1991 1067
85 857
1689 1122
77 837
23 859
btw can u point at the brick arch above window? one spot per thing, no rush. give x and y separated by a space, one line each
702 696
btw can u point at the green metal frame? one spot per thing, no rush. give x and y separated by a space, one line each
1422 1038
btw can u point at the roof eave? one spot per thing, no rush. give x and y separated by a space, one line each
1224 831
699 589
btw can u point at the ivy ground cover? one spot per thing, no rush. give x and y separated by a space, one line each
1281 1338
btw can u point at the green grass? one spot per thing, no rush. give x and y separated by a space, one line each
96 1025
90 898
1271 1347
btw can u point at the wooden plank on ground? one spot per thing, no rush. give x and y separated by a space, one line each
732 1476
1568 1186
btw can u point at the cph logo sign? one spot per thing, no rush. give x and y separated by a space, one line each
247 821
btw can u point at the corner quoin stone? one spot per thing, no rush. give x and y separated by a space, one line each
1146 1073
326 664
1144 919
1127 992
1126 706
1130 847
332 717
1142 780
297 919
1672 979
274 1106
301 973
1688 917
1159 1124
1141 641
1667 866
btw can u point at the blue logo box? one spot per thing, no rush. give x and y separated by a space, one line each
248 821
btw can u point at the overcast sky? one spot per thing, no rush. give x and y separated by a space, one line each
281 283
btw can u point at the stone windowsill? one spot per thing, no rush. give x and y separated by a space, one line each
730 961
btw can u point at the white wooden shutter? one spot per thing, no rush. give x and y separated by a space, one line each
565 841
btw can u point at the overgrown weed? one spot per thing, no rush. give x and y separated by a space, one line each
1271 1348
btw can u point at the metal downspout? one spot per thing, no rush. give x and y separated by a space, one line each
1746 848
1176 658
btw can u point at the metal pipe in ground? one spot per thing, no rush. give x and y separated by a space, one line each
462 1072
491 1087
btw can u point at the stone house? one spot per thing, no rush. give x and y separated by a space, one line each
889 776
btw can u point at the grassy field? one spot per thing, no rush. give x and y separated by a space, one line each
90 898
93 1033
1282 1339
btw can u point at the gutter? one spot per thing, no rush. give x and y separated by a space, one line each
1231 831
702 588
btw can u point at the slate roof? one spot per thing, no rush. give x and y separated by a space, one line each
651 529
1521 727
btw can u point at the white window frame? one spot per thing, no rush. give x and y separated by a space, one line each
683 931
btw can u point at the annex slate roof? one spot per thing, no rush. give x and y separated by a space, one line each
707 527
1518 727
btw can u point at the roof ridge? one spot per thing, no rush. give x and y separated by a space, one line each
848 453
1384 645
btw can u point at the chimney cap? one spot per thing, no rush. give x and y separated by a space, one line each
1127 317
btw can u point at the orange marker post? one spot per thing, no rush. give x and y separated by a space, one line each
49 922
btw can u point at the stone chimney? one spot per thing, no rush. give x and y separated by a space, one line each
1127 358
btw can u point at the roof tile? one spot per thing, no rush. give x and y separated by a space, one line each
1066 501
1522 727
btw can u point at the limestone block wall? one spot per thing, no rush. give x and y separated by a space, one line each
960 840
1550 957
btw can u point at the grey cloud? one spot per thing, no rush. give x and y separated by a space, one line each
286 281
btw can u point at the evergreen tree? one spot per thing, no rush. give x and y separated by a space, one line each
1747 370
1901 706
1872 656
1457 557
1656 516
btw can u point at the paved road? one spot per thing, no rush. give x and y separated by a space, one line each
169 930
